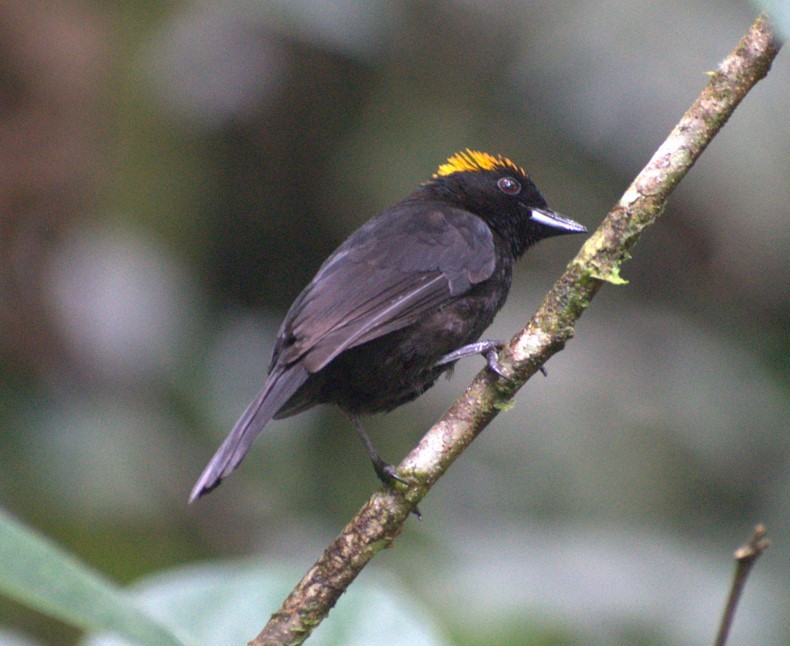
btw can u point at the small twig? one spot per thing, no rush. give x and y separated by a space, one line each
381 519
745 558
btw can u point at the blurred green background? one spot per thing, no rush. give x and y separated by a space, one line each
171 176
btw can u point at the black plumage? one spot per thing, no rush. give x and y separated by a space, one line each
418 282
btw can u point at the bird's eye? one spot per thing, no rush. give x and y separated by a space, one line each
508 186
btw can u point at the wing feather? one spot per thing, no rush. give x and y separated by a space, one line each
383 278
388 274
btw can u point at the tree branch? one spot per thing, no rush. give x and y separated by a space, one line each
381 519
745 557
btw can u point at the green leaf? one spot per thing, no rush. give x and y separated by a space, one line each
613 276
39 574
504 405
229 602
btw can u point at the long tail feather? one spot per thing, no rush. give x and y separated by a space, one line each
277 390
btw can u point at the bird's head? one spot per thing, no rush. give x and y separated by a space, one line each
502 193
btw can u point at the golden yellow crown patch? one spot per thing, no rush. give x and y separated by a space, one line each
475 161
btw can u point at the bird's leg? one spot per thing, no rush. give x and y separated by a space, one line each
486 347
384 470
489 349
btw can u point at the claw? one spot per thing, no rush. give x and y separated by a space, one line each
387 473
488 348
492 361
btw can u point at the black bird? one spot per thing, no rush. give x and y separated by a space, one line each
404 297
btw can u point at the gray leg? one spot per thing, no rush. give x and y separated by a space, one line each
384 470
489 349
486 347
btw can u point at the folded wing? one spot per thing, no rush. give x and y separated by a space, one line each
389 273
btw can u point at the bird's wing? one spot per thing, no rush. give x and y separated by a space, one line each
400 265
388 274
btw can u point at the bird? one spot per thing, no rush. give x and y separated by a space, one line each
401 300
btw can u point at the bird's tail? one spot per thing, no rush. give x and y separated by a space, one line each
278 389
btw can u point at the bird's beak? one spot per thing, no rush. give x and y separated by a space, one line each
556 223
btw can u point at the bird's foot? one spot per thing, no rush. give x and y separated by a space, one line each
389 476
387 473
487 347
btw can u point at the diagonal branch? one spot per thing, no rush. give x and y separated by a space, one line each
381 519
745 558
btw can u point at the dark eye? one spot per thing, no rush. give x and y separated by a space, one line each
508 186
